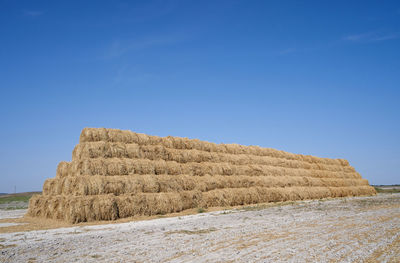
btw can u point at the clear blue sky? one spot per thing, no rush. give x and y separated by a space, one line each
317 77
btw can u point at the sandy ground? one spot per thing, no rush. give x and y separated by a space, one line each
360 229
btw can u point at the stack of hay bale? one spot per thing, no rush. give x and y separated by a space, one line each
115 174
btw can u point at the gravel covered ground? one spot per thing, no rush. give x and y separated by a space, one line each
361 229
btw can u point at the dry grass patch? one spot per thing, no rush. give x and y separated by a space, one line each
191 232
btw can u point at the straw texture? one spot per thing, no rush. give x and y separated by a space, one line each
115 174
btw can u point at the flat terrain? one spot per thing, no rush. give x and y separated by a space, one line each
360 229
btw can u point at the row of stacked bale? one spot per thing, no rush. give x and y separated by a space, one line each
115 174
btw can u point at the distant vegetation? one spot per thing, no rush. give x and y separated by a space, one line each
19 197
387 188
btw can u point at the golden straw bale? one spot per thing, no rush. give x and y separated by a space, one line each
112 135
160 203
154 152
125 166
74 209
109 207
50 186
133 184
63 169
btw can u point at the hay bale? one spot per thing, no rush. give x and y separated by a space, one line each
76 209
156 152
126 166
115 174
63 169
134 184
113 135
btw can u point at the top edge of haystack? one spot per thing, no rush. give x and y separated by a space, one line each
127 136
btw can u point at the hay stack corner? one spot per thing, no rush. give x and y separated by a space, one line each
115 174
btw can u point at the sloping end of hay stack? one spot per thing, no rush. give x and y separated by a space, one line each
115 174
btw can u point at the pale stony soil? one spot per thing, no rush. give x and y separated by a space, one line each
361 229
15 213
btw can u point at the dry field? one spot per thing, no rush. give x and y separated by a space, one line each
356 229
